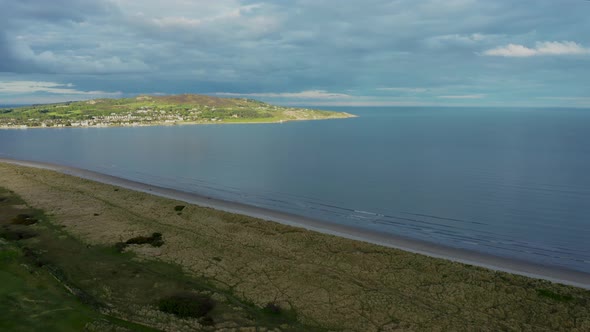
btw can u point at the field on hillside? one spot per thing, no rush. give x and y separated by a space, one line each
153 110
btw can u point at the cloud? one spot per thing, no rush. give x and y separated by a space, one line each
584 100
229 22
20 57
300 50
541 48
408 90
29 87
453 40
191 23
474 96
47 37
310 94
54 11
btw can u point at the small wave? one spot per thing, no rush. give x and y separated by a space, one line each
367 212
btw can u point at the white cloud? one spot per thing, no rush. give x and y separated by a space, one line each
184 22
410 90
566 98
71 63
461 39
226 21
323 98
567 101
475 96
541 48
309 94
27 87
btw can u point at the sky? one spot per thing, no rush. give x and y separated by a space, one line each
299 52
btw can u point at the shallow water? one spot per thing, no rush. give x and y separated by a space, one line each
511 182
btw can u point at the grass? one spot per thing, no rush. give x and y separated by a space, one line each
31 299
24 219
554 296
16 232
54 282
187 305
245 264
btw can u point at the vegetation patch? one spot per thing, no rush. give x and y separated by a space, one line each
155 240
120 246
16 232
179 208
273 308
24 219
33 257
187 305
57 283
554 296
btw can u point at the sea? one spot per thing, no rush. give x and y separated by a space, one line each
511 182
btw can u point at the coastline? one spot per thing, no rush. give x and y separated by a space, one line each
186 123
550 273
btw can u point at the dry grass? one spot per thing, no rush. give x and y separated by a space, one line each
328 281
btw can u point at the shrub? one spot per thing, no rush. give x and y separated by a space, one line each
554 296
179 208
273 308
16 233
120 246
155 240
24 219
187 305
138 240
34 257
207 321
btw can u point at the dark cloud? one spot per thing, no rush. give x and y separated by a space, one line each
298 45
54 11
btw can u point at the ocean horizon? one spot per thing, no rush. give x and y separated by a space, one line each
511 182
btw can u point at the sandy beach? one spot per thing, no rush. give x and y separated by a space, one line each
550 273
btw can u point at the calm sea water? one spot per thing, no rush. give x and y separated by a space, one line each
511 182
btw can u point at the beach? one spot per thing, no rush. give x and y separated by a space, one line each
333 277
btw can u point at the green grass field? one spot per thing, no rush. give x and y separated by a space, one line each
50 281
153 110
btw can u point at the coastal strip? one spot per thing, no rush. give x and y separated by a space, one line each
496 263
156 111
321 282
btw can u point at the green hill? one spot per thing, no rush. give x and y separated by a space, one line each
156 110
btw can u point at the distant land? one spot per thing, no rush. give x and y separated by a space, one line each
156 110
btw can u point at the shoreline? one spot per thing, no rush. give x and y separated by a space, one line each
514 266
185 123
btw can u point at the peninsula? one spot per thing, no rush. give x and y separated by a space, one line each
156 110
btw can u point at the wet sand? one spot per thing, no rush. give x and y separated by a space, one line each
554 274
